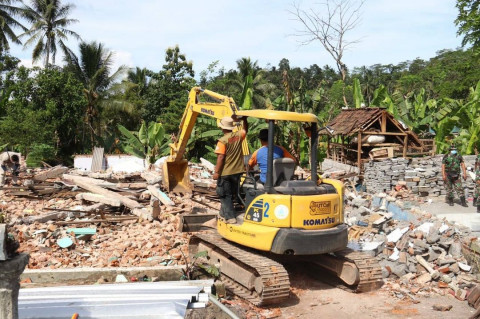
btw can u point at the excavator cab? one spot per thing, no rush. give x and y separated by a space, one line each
289 215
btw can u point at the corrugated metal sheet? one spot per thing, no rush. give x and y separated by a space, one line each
130 300
97 159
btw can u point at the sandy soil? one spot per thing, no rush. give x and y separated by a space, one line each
312 299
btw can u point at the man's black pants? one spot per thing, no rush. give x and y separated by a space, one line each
227 190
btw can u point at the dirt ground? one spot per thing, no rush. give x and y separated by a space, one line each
312 299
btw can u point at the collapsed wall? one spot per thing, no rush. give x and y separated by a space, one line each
422 176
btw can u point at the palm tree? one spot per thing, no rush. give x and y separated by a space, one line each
93 69
7 12
139 77
49 20
255 88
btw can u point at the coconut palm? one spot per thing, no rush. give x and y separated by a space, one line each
139 77
49 20
254 87
93 68
7 22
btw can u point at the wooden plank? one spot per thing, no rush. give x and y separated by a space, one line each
383 122
405 146
107 220
155 191
359 149
98 199
51 173
84 182
61 214
384 133
132 185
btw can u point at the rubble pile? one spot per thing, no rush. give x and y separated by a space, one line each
422 175
419 253
67 218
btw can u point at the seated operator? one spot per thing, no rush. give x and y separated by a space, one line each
260 156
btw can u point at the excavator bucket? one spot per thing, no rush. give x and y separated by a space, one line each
176 176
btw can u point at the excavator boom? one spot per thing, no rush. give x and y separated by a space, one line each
176 176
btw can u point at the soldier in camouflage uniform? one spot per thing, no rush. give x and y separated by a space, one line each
451 165
477 182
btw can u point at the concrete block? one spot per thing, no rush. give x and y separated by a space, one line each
10 271
3 242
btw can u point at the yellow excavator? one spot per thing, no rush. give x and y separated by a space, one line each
286 219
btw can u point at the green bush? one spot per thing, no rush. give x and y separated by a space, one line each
39 153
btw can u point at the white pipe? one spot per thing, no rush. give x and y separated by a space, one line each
222 307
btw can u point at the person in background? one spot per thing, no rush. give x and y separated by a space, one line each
451 164
9 160
229 165
260 156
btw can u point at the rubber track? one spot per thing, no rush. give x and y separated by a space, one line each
276 284
368 267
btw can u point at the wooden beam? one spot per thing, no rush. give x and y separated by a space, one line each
359 150
97 198
51 173
84 182
385 133
383 122
405 146
160 195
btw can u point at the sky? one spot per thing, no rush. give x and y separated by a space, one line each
140 31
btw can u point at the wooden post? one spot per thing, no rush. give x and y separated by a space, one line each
328 148
405 146
359 152
384 122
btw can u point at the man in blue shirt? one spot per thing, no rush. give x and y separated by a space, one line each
260 156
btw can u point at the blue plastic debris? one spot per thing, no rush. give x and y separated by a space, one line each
65 242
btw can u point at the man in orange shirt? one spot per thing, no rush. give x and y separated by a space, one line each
260 156
229 166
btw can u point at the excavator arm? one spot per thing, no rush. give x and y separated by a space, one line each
176 176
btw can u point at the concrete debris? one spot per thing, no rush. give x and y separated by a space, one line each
418 252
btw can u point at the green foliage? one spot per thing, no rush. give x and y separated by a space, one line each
49 19
167 92
468 21
40 153
7 17
357 93
45 107
149 143
197 263
93 68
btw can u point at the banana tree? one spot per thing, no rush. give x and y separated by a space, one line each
149 143
469 122
357 94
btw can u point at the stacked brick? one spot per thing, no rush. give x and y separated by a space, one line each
422 176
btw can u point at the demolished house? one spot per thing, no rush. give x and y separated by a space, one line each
356 136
